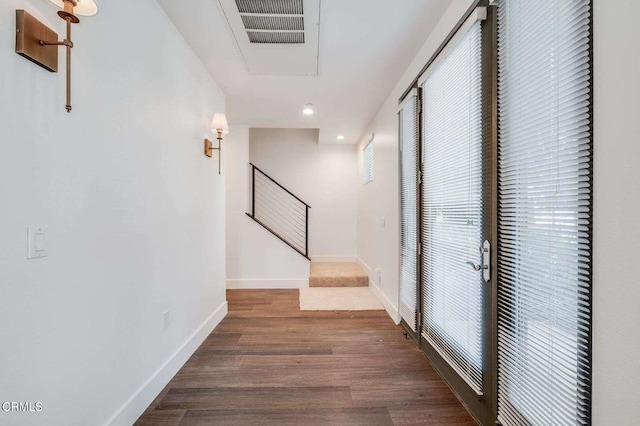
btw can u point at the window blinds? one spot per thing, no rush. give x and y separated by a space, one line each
408 137
452 194
367 169
544 178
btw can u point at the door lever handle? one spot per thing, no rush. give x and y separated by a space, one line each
477 267
485 251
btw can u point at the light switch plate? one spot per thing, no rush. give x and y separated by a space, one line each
37 242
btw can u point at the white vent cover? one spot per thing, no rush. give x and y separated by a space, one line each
273 21
276 37
278 7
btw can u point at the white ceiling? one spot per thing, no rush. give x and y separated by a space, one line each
365 46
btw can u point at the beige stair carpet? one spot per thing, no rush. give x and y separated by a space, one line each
339 299
337 275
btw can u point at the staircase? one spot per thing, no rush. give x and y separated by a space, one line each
286 216
279 211
337 275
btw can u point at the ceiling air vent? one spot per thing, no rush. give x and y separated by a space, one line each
273 21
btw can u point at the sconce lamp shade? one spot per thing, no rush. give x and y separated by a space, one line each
219 123
83 8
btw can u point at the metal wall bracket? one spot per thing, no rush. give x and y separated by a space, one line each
29 33
208 148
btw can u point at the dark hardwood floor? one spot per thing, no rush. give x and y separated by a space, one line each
268 363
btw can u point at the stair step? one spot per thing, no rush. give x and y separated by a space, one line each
337 275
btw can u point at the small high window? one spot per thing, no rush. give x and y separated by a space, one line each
367 169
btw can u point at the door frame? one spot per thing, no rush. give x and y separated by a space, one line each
409 333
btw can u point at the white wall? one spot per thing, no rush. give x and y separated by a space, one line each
135 214
616 349
255 258
616 286
324 176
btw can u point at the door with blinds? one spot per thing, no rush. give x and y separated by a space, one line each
456 194
408 137
544 175
499 291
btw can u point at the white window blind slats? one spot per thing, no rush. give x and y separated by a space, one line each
453 197
368 162
408 140
544 219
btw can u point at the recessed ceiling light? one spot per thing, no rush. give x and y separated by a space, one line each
340 137
308 109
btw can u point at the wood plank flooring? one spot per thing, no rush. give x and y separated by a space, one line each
268 363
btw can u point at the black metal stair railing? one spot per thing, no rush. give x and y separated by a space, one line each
279 211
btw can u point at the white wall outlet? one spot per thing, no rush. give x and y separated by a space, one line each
166 318
378 276
383 222
37 245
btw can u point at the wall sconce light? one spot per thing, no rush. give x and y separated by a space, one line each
218 125
38 43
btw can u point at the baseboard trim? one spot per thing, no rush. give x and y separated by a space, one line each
267 284
363 266
143 397
391 309
334 259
